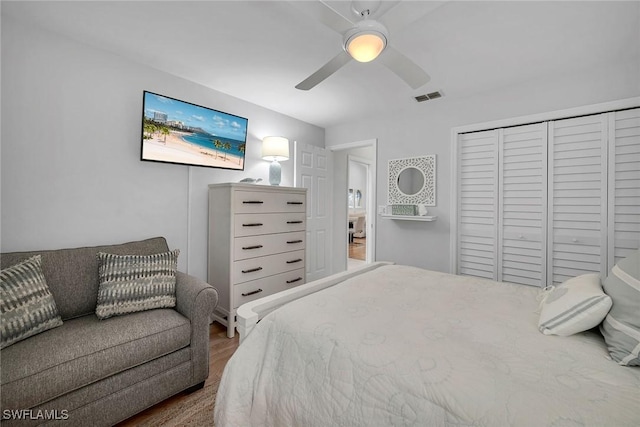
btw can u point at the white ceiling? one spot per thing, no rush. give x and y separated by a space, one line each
258 51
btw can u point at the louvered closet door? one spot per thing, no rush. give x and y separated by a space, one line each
478 204
523 204
577 218
624 184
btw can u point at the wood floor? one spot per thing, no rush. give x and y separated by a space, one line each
221 349
358 249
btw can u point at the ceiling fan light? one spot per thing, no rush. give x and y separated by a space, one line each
365 47
366 40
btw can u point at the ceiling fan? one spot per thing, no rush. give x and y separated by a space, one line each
366 38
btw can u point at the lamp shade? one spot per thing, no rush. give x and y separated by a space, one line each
366 41
275 148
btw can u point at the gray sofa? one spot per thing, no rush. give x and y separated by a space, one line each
99 372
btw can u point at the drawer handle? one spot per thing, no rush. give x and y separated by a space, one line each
294 203
294 222
294 280
246 248
252 293
293 261
294 241
252 270
252 202
253 224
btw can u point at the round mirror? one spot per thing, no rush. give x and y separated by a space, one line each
410 181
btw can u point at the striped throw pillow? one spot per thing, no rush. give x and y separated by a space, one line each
131 283
26 304
621 327
575 306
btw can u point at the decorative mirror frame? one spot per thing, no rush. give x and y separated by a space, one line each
427 195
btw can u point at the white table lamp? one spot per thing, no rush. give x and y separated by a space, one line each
276 149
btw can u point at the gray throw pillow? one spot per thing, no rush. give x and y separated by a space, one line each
131 283
621 327
26 304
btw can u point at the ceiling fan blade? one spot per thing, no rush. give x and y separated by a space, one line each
325 14
325 71
405 68
405 13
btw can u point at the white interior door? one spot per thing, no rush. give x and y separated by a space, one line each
522 225
478 204
577 218
313 172
624 184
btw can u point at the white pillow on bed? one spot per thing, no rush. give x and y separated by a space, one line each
621 327
574 306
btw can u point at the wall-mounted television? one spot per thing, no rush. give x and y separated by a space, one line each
180 132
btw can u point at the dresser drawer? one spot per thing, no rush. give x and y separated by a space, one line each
256 268
267 244
256 224
255 289
268 201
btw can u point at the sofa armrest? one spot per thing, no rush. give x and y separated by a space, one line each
196 300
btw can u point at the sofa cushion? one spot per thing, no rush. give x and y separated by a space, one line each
131 283
26 305
72 274
85 350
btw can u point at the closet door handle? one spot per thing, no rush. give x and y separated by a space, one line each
252 293
294 222
293 261
253 224
294 280
294 241
246 248
294 203
252 270
252 202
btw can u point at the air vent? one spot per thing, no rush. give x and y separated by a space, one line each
427 97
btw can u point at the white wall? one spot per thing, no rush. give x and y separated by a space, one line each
426 129
71 174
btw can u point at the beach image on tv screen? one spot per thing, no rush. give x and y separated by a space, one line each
180 132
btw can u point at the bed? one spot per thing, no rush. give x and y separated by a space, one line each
397 345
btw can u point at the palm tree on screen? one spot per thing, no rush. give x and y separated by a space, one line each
241 149
218 146
164 131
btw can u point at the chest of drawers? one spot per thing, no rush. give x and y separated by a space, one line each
257 238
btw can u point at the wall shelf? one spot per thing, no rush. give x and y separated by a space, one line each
409 217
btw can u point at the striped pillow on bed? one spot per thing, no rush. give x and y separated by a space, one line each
621 327
575 306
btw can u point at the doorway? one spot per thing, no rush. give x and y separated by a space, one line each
358 194
354 203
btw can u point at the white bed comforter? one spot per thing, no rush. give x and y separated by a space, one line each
410 347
